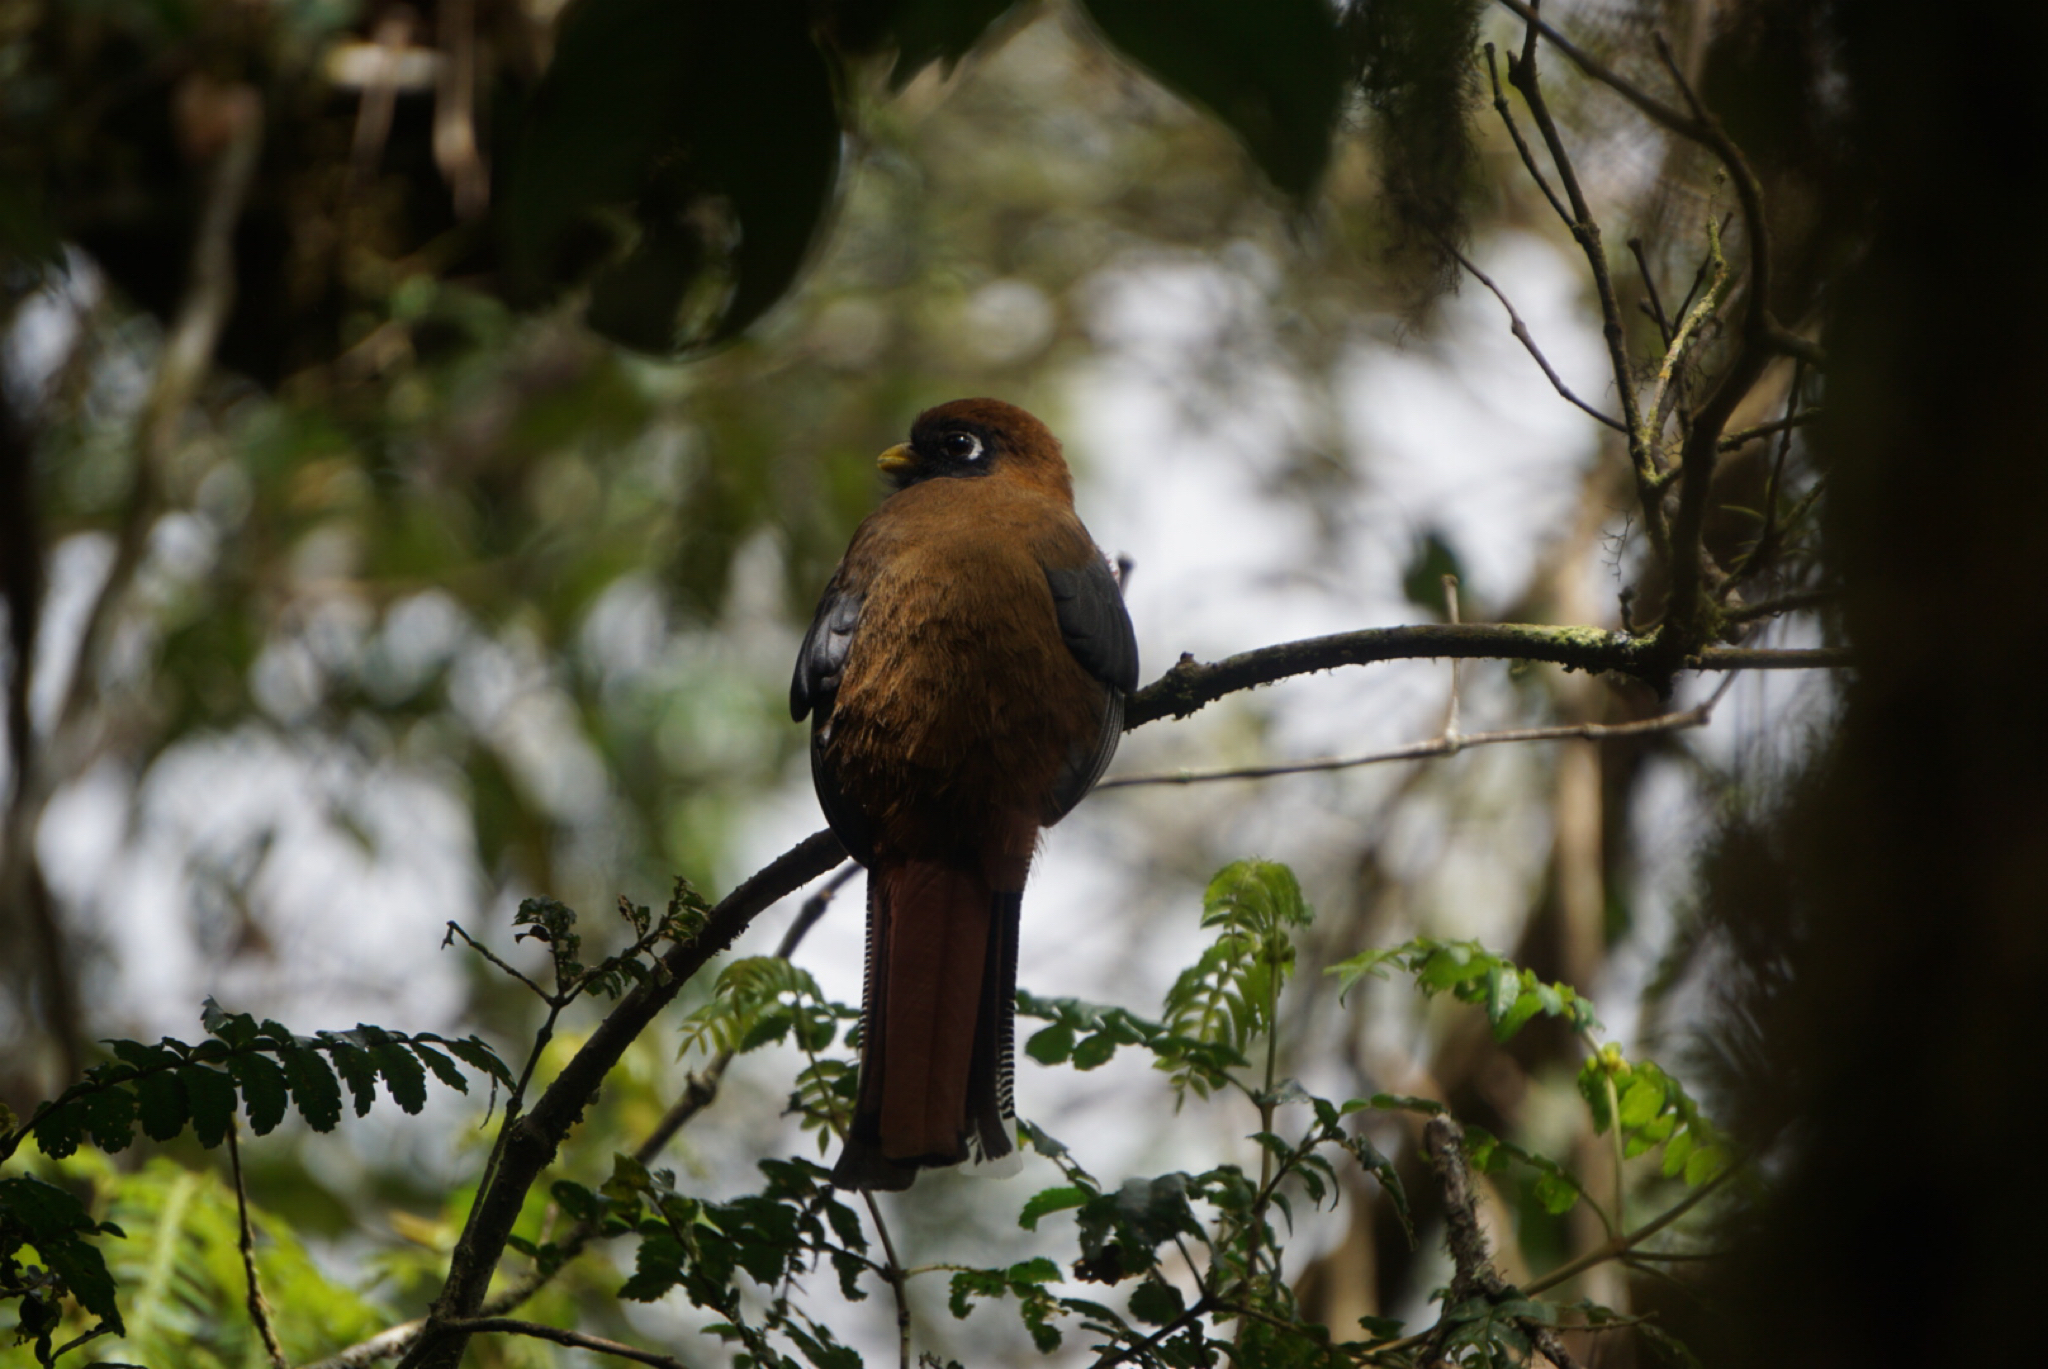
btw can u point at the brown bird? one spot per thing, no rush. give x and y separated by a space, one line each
965 676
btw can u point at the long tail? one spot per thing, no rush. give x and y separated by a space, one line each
935 1072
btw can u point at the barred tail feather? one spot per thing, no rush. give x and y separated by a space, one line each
936 1026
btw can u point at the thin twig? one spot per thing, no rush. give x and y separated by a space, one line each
893 1275
575 1340
1522 74
1765 547
1658 410
1522 335
1507 116
455 930
1655 302
1448 745
1746 435
1450 732
259 1309
1200 1308
1622 1244
1784 603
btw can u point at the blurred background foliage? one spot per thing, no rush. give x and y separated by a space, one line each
551 358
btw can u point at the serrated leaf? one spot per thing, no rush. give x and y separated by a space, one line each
472 1051
1526 1005
443 1068
211 1095
1592 1082
264 1095
160 1104
315 1091
110 1117
402 1074
356 1068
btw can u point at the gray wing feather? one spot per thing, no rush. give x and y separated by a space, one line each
1097 628
1090 605
821 660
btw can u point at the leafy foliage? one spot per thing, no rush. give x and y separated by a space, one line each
1510 994
66 1263
171 1085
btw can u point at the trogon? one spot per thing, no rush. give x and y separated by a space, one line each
965 678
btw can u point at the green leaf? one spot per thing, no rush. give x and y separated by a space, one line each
160 1103
315 1091
1557 1194
1526 1005
401 1072
1048 1201
212 1096
356 1068
110 1117
1272 72
1452 965
1592 1082
1703 1164
263 1090
1156 1302
1094 1051
1051 1045
472 1051
1678 1152
443 1068
1643 1100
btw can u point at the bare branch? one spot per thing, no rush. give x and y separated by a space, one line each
1655 303
1521 332
1449 745
1784 603
1507 116
575 1340
1741 436
1585 229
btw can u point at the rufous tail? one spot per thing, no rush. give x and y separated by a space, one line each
936 1030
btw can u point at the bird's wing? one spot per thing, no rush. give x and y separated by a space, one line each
1090 606
813 689
821 660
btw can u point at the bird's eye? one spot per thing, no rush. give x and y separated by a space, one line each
961 446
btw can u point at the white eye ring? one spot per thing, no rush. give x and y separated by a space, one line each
962 446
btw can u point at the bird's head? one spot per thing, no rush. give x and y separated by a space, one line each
971 438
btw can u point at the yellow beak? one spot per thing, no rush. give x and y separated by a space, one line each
897 458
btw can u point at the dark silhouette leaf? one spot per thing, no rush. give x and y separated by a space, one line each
680 156
1272 72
